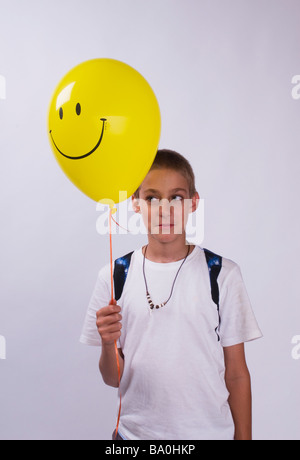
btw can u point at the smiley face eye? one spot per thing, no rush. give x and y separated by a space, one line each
61 113
78 108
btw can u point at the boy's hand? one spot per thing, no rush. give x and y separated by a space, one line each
108 323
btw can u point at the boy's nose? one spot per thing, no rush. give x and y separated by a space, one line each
165 203
166 214
164 207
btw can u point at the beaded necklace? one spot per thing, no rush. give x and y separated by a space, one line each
151 303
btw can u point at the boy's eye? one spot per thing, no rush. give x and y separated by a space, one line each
152 198
177 198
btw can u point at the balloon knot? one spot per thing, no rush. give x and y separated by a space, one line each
112 208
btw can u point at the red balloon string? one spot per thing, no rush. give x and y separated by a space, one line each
112 299
119 224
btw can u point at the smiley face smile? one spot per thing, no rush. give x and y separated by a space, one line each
86 154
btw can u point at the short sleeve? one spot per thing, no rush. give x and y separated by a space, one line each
238 323
100 298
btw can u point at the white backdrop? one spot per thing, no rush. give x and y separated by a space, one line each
222 71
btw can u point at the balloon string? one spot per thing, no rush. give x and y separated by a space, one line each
112 299
111 257
119 224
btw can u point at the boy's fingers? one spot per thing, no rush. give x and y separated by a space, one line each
113 309
117 308
109 310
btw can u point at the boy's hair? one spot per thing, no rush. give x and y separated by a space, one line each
173 160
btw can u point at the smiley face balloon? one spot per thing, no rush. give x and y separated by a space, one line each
104 128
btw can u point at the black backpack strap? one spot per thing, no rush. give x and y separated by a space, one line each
120 273
214 263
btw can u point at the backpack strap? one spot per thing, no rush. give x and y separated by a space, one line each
120 273
214 264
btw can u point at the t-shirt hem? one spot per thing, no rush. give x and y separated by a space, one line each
240 339
86 341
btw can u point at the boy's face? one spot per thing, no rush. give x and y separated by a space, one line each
164 203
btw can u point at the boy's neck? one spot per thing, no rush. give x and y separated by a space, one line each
165 252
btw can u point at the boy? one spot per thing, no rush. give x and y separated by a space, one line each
182 362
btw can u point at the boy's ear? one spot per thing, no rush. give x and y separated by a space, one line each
135 204
194 202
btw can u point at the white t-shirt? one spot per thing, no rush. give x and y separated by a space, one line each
173 385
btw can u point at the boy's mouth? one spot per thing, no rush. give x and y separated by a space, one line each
166 226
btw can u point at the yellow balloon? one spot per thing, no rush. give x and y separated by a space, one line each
104 128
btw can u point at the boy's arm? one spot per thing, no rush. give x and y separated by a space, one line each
238 383
108 365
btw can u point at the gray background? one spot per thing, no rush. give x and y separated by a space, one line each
222 71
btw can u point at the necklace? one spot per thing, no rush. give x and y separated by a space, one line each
151 303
